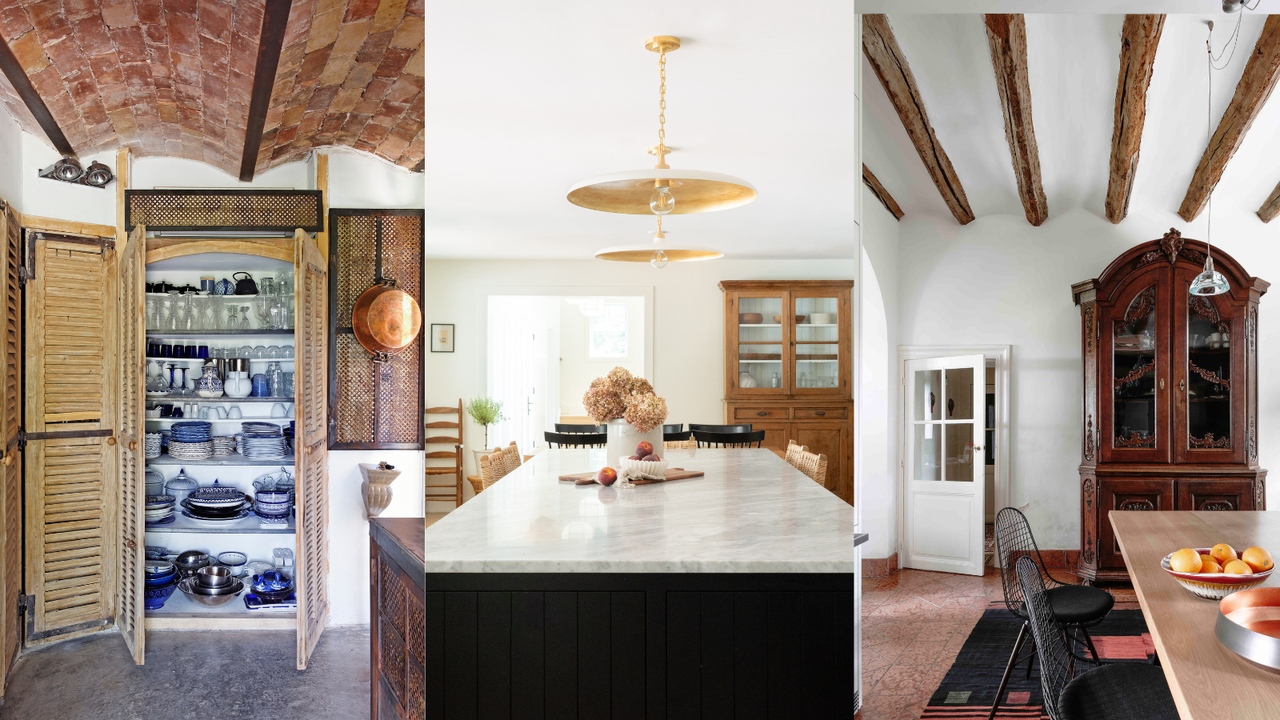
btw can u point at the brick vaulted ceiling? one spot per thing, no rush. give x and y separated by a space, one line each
175 77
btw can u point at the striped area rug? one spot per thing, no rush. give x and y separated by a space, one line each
969 687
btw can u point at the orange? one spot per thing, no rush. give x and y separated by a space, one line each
1237 567
1210 565
1185 560
1258 559
1223 553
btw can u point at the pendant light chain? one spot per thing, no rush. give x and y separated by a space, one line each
1208 134
662 107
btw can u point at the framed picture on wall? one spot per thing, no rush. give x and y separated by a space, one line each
441 338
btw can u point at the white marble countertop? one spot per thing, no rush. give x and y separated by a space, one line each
750 513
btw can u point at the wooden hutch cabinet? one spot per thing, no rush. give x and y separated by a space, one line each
1170 393
791 373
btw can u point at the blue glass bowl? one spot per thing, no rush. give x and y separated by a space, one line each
158 594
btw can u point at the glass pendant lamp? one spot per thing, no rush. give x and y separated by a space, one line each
1209 282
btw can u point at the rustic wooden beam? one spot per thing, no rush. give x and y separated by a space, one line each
1260 77
322 184
1138 42
68 227
1271 207
18 78
1007 36
881 49
871 181
122 184
275 18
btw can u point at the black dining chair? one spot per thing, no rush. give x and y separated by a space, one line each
575 440
571 428
1074 606
721 428
677 436
1110 690
678 427
728 439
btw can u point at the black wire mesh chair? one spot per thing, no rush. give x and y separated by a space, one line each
1111 690
1074 606
575 440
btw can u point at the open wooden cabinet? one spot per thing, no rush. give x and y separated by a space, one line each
86 424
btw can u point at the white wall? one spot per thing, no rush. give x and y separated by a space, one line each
175 172
878 386
577 369
54 199
360 181
688 345
11 161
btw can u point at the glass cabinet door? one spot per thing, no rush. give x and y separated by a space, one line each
815 323
1134 382
1210 424
761 346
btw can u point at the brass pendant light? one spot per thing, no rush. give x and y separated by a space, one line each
658 253
662 190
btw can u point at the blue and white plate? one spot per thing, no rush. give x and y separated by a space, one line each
238 516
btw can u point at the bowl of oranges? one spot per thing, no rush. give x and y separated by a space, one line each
1216 572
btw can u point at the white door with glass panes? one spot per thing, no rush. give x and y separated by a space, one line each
944 464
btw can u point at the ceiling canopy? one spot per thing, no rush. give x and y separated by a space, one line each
194 79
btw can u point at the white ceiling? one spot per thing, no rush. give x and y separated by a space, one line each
524 99
1073 63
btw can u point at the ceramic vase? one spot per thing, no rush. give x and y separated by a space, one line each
375 488
623 438
209 385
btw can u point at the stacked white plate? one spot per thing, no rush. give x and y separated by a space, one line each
263 448
158 509
191 451
151 446
223 445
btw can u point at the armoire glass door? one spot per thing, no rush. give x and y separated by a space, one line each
762 344
1135 380
1209 425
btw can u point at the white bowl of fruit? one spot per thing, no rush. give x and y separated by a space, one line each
644 462
1216 572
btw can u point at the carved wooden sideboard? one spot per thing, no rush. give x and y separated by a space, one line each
397 619
1170 393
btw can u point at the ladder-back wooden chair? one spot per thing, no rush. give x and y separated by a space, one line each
436 489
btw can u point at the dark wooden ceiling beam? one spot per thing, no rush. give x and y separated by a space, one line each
873 183
1271 207
275 18
22 84
1260 77
1007 37
1138 42
890 65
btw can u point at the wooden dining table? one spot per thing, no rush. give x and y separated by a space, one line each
1208 681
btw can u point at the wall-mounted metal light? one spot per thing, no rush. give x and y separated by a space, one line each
68 169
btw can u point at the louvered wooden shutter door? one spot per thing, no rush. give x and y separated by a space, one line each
310 438
10 424
71 494
131 379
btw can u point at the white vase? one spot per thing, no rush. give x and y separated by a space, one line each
623 438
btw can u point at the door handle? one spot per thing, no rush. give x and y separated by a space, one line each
762 413
1182 385
820 413
1161 383
133 444
111 440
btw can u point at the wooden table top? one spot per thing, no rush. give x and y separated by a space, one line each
1208 680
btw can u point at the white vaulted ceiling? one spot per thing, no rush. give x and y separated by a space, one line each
1073 64
528 98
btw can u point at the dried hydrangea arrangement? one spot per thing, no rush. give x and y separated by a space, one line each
620 395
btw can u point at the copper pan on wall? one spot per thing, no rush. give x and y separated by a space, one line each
385 319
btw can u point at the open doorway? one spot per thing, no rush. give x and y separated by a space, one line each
544 350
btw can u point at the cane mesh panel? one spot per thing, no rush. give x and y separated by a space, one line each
230 209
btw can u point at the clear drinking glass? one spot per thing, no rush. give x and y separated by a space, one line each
200 306
233 323
151 313
244 317
171 306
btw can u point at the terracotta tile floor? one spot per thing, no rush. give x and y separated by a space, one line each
914 624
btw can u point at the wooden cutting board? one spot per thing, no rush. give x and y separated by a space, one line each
671 474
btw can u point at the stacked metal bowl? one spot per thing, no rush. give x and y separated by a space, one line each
212 585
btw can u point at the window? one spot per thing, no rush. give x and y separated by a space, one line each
607 332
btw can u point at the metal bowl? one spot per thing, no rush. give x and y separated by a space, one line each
214 576
1249 625
200 595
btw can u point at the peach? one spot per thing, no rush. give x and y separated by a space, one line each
644 448
651 458
607 476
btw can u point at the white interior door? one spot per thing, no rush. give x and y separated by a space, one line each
944 465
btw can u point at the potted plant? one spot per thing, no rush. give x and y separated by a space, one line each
630 408
485 411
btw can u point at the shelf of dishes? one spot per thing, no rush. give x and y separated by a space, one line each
224 583
162 334
245 526
223 399
224 460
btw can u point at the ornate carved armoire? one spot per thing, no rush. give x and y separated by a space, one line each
1170 393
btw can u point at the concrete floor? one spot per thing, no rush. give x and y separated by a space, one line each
216 675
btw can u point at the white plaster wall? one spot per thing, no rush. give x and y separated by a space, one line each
577 370
174 172
11 161
53 199
878 388
688 355
359 181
